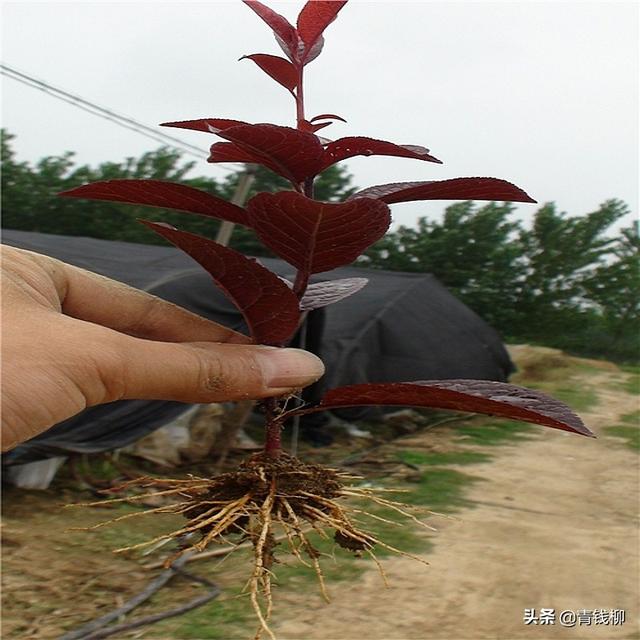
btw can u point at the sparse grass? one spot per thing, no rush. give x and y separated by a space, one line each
133 531
588 367
630 434
632 418
578 397
441 490
217 620
632 384
495 432
443 458
631 368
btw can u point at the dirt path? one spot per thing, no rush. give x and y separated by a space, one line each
555 526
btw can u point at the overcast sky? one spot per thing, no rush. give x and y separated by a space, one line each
544 94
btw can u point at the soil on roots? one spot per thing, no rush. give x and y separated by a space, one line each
264 495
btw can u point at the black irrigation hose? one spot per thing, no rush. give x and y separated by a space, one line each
98 628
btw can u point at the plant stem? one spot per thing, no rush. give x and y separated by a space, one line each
300 99
273 442
300 284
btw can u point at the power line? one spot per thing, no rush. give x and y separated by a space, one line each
102 112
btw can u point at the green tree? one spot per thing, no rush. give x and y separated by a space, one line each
30 201
562 254
563 282
615 287
474 251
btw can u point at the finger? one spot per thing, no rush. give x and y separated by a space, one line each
206 372
112 304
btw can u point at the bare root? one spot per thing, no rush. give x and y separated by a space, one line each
262 496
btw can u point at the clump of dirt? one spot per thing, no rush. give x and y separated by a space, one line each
293 479
262 495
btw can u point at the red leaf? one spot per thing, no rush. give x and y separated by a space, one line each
156 193
317 236
327 116
322 294
284 31
474 396
295 155
305 125
320 125
208 125
229 152
453 189
268 305
358 146
279 69
314 18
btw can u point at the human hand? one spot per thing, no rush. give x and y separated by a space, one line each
73 339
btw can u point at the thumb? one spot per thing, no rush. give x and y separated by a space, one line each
211 372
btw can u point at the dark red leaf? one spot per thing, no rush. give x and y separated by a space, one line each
156 193
284 31
473 396
229 152
314 18
279 69
327 116
322 294
295 155
305 125
453 189
268 305
358 146
208 125
317 236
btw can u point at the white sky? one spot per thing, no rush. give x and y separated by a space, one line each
544 94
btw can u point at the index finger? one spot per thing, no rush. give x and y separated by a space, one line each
112 304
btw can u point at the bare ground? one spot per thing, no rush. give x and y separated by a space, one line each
556 526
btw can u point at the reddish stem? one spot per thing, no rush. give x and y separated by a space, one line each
300 284
273 443
273 440
300 98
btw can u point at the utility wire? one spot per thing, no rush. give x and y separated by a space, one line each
102 112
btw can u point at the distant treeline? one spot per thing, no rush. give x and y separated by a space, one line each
562 281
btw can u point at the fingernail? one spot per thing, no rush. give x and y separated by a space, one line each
289 367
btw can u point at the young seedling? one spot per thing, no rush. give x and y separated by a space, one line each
273 491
